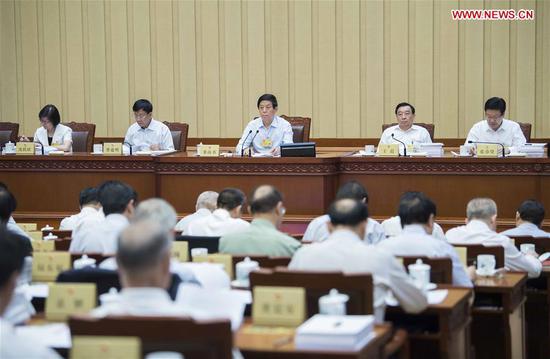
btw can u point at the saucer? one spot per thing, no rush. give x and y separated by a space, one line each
483 274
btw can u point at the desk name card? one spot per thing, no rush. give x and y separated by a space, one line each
105 347
488 150
208 150
47 265
225 259
65 299
27 226
388 150
279 306
24 148
113 149
180 251
42 246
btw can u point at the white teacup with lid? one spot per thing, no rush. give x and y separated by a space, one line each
243 270
50 237
333 303
420 274
47 227
9 147
486 264
83 261
109 297
199 252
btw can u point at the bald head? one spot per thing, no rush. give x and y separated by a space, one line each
265 199
156 210
347 212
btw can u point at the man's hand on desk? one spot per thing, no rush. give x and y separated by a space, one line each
24 139
154 147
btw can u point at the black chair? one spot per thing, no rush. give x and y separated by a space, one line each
210 243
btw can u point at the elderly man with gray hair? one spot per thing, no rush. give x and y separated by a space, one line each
480 228
206 204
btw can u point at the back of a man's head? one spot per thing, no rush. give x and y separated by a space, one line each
115 196
353 190
143 252
347 212
264 199
156 210
7 204
415 208
88 196
532 211
481 209
230 198
12 254
208 200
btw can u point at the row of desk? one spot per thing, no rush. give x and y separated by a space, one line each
48 186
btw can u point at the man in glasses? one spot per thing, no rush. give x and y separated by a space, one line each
147 134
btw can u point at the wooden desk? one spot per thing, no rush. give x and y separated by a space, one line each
498 316
440 331
281 344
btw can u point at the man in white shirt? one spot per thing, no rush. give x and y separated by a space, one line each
495 128
226 219
147 134
206 204
12 345
100 236
317 230
480 229
345 251
392 227
529 217
417 213
405 131
89 206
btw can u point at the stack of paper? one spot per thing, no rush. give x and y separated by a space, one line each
335 332
432 149
532 149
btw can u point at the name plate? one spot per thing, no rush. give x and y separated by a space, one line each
487 150
24 148
462 255
208 150
180 251
36 235
65 299
42 246
27 227
91 346
47 265
391 150
225 259
114 149
279 306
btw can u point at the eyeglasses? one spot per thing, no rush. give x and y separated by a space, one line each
141 116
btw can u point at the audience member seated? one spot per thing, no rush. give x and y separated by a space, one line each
89 206
206 204
480 229
13 346
417 213
345 251
529 219
11 224
317 230
100 236
392 227
226 219
8 204
262 237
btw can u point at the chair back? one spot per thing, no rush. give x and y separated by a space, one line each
430 127
301 127
526 129
210 243
62 244
9 131
359 287
210 339
542 244
473 250
263 261
83 136
441 271
179 132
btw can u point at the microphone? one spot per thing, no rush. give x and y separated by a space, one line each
246 138
403 143
491 143
252 143
129 146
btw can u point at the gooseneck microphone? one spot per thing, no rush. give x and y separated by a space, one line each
252 143
129 146
246 138
491 143
403 143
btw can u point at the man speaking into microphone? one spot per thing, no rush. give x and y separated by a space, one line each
405 131
495 128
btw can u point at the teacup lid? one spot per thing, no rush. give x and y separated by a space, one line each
248 263
333 297
110 296
419 265
50 237
85 260
47 228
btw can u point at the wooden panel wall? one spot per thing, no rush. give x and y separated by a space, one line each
205 62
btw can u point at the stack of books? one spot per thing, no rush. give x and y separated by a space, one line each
432 149
335 332
532 149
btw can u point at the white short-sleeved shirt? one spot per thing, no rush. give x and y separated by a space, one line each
478 232
157 133
61 134
345 251
98 236
70 223
317 231
278 133
14 346
526 229
509 133
218 223
415 134
183 224
392 227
